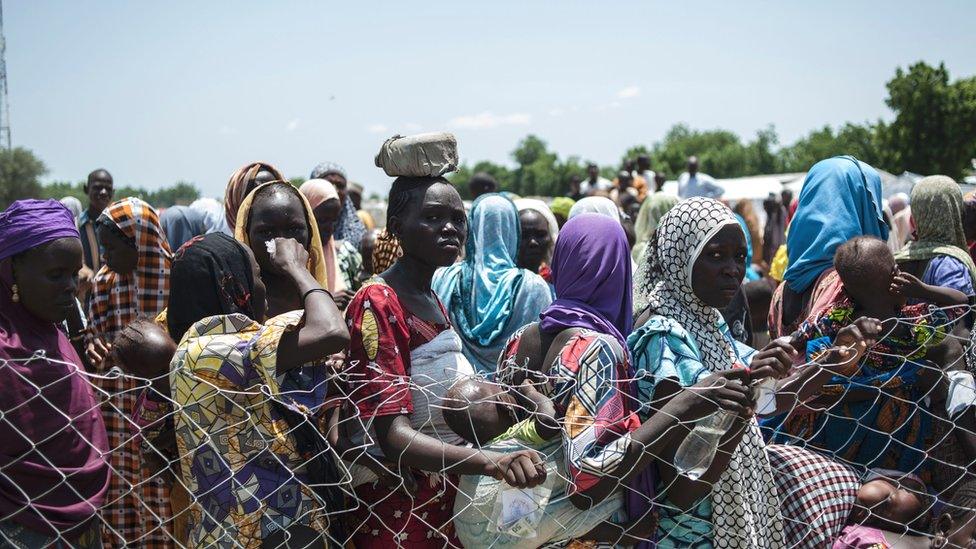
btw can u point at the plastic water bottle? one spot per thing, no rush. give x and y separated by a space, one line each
697 450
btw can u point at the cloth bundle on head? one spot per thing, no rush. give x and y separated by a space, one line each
422 155
214 218
210 275
538 206
840 199
591 271
487 296
318 191
241 183
937 207
59 432
118 299
317 263
561 205
181 223
596 204
664 287
26 224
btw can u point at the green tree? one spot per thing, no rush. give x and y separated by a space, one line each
20 173
536 169
635 151
720 152
862 141
934 130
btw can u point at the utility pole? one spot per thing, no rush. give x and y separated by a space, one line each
4 108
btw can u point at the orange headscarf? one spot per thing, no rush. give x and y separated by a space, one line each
317 262
238 185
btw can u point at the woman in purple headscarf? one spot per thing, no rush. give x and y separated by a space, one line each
577 355
53 476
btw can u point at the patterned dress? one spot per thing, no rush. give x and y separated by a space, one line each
382 335
587 391
350 263
884 432
237 455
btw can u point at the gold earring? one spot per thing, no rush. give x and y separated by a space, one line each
16 296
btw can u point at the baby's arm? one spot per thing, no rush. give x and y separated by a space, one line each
540 408
907 285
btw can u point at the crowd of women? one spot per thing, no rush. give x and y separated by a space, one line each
276 371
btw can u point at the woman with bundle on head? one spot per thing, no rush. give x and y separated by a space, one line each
278 210
133 283
403 357
348 227
840 199
693 268
240 457
53 457
241 183
341 256
487 297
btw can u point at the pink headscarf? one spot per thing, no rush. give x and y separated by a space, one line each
317 191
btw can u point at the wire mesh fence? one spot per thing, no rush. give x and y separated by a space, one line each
192 460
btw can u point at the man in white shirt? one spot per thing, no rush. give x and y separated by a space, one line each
594 183
692 184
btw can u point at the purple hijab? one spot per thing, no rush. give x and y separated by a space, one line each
52 425
591 271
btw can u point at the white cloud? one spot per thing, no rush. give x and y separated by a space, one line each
629 92
488 120
293 125
376 128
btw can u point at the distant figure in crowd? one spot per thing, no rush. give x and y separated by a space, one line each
598 205
133 283
575 186
486 295
651 212
745 209
482 183
638 183
100 190
74 206
343 261
55 472
539 232
594 183
356 195
659 180
181 223
213 215
561 207
774 232
349 227
692 183
241 183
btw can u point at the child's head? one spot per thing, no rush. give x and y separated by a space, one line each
144 349
478 410
892 504
866 267
957 524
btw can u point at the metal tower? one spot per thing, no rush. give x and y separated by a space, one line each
4 109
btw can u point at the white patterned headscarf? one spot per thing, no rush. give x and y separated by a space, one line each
745 506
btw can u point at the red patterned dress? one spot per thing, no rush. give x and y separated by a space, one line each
382 335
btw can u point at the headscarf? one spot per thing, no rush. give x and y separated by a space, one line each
180 223
591 270
561 206
840 199
316 254
664 285
211 275
318 191
937 208
540 207
237 188
214 218
349 227
595 204
751 273
58 478
74 206
651 211
485 291
118 299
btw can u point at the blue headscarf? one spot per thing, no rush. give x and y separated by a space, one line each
487 296
751 273
840 199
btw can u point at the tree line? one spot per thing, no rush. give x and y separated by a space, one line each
933 132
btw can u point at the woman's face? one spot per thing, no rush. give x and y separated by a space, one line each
535 240
340 184
326 214
47 278
720 267
275 214
121 254
434 229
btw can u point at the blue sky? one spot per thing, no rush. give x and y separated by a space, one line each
163 91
